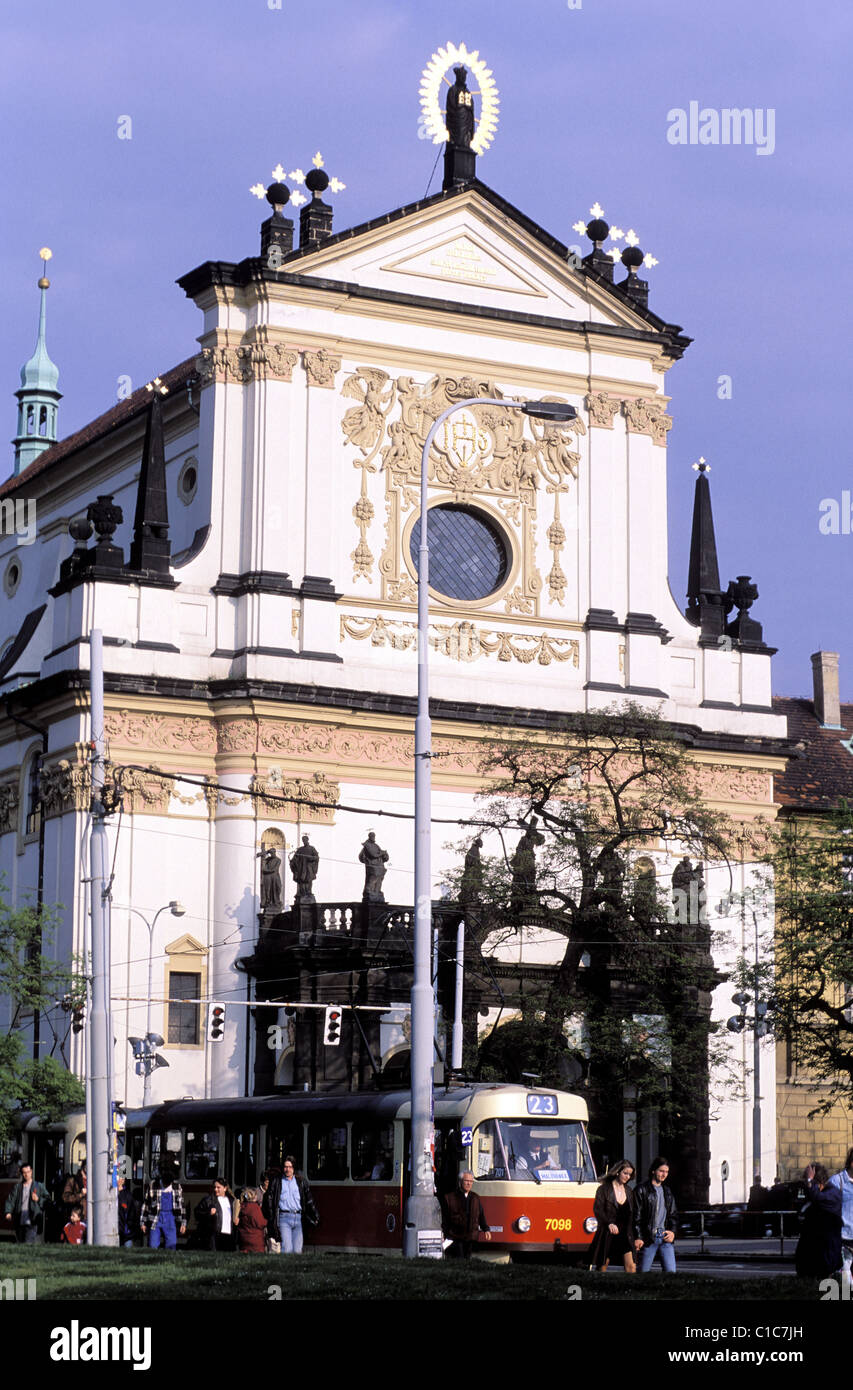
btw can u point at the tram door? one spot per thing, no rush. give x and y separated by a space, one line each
47 1155
448 1157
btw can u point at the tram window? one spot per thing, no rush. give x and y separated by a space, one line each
510 1149
165 1149
327 1151
283 1143
11 1158
244 1168
201 1157
372 1151
48 1157
134 1147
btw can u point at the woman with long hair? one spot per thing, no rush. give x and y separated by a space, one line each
614 1211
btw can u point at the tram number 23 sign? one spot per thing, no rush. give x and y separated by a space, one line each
541 1105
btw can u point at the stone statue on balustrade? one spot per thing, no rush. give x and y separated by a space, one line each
472 875
374 859
271 899
304 863
523 890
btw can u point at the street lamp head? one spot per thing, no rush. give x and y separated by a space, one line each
177 909
554 412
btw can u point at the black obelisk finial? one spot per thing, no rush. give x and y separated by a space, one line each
151 548
707 605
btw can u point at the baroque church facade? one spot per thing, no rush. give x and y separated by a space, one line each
244 534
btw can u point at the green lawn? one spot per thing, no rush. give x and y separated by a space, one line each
86 1273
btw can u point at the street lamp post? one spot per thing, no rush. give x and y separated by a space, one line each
146 1055
422 1209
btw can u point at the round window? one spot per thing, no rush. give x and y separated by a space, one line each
188 481
12 577
468 556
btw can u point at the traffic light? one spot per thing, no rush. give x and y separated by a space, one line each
332 1028
215 1022
77 1018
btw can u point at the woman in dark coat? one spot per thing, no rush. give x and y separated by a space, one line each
818 1250
614 1211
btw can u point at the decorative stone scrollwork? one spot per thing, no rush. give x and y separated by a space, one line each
241 364
236 735
483 451
321 367
315 798
8 807
65 786
463 641
647 417
602 409
144 791
124 727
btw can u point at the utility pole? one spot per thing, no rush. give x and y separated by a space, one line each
103 1209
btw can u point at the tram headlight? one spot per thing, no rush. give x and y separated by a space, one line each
591 1225
523 1224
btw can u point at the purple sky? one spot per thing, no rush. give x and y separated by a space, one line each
754 261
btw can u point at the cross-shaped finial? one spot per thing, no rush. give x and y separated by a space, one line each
279 175
701 466
317 180
157 385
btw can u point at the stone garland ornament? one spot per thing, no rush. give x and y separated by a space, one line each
271 798
462 641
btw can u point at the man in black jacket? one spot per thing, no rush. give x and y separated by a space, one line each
655 1219
464 1219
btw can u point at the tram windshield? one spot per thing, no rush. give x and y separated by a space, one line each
515 1151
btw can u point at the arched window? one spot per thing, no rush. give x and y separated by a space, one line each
33 820
31 419
43 421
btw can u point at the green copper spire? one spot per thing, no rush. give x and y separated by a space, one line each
38 397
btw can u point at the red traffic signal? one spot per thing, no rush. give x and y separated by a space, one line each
332 1027
215 1022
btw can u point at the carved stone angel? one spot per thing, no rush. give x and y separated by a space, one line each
363 424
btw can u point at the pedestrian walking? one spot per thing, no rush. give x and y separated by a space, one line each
163 1212
464 1219
251 1224
25 1207
128 1215
288 1205
655 1219
216 1215
844 1182
818 1251
613 1209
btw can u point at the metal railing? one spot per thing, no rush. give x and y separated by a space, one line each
747 1220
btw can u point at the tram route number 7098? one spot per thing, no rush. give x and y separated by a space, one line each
541 1105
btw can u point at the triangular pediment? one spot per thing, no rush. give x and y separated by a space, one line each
186 945
468 251
466 258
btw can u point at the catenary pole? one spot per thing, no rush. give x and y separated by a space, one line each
102 1205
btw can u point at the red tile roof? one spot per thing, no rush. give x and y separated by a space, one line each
824 774
113 419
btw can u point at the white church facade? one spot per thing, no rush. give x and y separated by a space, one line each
253 575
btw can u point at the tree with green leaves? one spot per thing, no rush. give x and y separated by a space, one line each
31 982
812 864
603 801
